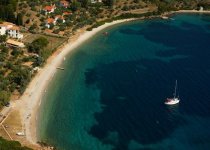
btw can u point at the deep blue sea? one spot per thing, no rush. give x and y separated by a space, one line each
111 94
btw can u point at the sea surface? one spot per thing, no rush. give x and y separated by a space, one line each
111 94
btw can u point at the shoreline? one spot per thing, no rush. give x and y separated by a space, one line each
29 103
31 100
193 11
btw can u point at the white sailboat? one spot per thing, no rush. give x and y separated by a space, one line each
174 100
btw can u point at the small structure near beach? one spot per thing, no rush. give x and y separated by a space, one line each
20 133
14 43
201 8
164 17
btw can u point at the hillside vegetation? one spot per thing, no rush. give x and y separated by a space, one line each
11 145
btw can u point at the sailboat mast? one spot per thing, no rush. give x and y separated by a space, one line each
175 89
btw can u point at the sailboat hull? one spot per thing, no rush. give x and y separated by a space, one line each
172 101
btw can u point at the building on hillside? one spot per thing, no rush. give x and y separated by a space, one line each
4 26
49 22
66 13
96 1
14 43
2 30
64 4
14 32
11 30
59 17
49 9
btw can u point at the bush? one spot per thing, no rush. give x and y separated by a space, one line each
37 45
136 1
15 52
33 27
27 21
11 145
38 62
4 97
4 50
56 31
3 38
125 8
33 8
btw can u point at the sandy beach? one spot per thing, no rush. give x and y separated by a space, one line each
192 11
28 104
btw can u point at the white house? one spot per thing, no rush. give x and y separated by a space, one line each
14 32
95 1
4 27
11 30
49 9
2 30
50 21
60 17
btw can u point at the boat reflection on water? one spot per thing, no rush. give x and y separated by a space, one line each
173 112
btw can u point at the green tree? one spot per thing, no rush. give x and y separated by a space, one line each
10 14
51 25
37 45
110 2
3 38
7 9
33 27
13 4
11 145
4 97
15 52
20 76
4 49
75 5
2 12
19 20
84 3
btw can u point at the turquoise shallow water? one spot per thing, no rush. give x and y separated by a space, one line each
111 93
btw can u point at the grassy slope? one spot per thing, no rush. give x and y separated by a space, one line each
11 145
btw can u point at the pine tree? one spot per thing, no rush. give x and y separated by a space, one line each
110 2
84 3
19 20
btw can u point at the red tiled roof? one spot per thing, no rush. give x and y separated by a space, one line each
15 28
49 8
6 24
64 3
50 20
67 13
59 17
